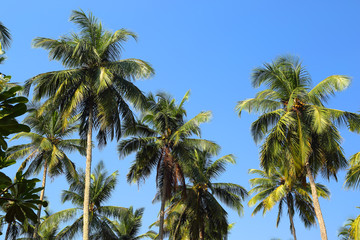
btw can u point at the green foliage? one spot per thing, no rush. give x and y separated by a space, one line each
353 174
126 227
295 117
198 212
279 188
11 106
350 230
49 143
5 36
102 186
95 80
164 139
20 200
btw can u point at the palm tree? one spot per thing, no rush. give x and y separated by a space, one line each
101 188
45 232
163 140
295 118
278 187
48 147
199 215
127 227
95 84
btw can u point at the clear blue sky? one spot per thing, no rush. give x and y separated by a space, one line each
211 48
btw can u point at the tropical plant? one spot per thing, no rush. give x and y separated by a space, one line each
48 147
43 233
101 188
199 215
95 84
350 230
163 139
127 227
11 106
19 201
278 187
295 118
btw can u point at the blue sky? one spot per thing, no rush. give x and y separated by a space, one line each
211 48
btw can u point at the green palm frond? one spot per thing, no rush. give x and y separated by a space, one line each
257 105
353 174
5 36
278 187
328 87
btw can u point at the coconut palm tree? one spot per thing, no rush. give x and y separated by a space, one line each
127 227
101 188
163 139
48 147
95 84
199 215
43 233
278 187
295 118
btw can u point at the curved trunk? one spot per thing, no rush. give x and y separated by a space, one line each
87 177
41 198
316 203
291 218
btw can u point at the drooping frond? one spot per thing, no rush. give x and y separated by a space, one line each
5 36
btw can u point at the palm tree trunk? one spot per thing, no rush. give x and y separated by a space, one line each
41 198
291 217
317 208
201 227
201 232
8 231
87 176
162 212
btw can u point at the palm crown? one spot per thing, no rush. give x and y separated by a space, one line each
96 80
163 140
199 215
278 187
102 185
49 143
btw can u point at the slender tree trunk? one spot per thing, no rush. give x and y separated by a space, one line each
201 232
8 231
41 198
317 208
291 217
162 212
202 223
87 176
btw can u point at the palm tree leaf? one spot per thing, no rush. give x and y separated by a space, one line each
328 87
